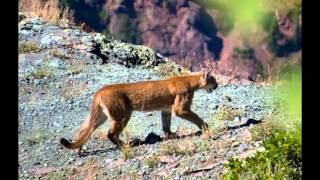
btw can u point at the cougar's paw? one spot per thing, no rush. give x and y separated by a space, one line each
171 135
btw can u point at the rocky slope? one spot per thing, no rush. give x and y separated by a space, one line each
59 70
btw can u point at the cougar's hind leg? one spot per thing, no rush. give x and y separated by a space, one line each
116 127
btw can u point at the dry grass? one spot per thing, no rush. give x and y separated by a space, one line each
36 137
207 133
48 10
72 89
178 147
170 69
75 68
226 113
41 73
126 149
151 160
25 89
265 129
28 47
59 54
89 171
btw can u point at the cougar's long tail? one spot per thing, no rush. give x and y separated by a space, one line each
87 133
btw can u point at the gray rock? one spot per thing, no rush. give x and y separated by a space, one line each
46 40
86 39
71 159
242 147
36 21
237 119
79 163
56 124
76 33
25 32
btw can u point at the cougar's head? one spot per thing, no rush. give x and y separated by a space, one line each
208 82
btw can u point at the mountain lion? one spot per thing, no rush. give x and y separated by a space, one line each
116 103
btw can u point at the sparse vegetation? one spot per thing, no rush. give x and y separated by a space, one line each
60 174
151 160
126 150
89 170
28 47
264 130
184 147
202 145
41 73
75 69
48 10
225 113
170 69
171 148
36 137
207 133
58 54
282 159
72 89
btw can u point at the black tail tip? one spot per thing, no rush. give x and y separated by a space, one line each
64 142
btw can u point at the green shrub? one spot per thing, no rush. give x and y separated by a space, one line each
282 159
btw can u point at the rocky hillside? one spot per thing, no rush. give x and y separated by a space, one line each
60 68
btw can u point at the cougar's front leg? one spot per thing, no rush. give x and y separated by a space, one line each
181 108
166 124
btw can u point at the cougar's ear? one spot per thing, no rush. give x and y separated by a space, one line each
206 75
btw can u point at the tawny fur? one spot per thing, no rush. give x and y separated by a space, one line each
117 102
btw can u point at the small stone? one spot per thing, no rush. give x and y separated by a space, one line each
107 161
79 163
56 124
237 119
71 159
242 147
84 147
